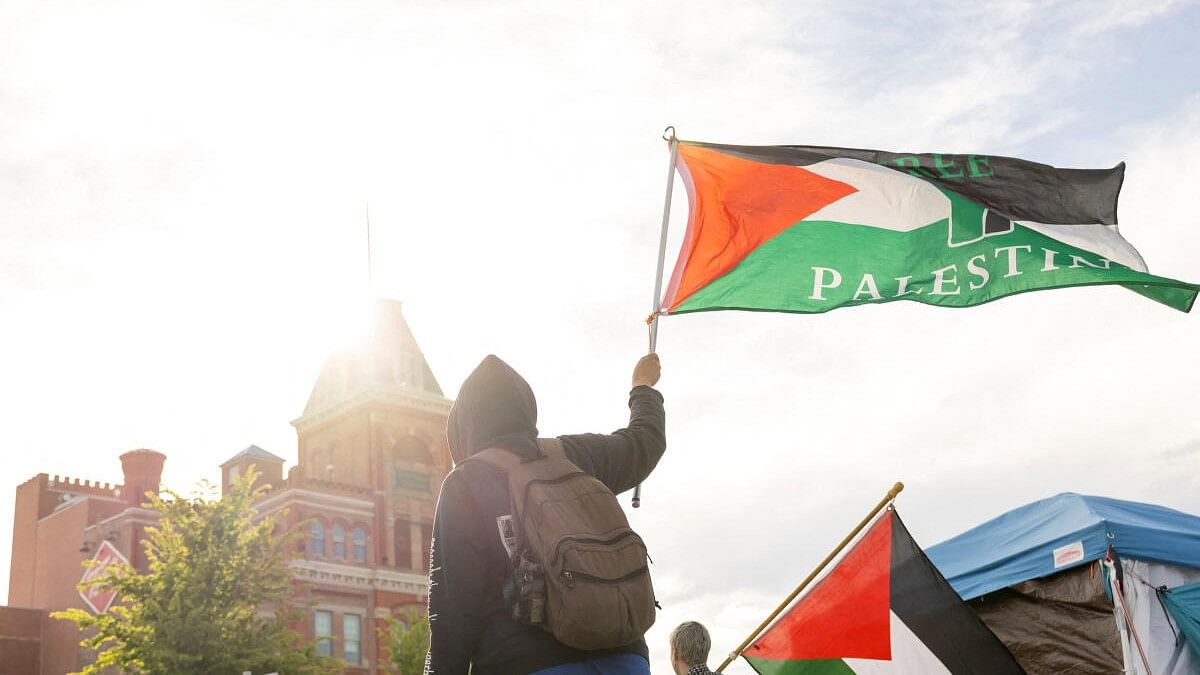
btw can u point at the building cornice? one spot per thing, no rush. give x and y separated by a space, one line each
363 578
134 514
405 398
317 500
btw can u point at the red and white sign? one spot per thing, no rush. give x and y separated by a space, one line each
107 556
1065 555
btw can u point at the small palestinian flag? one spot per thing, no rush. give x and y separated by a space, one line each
883 609
810 229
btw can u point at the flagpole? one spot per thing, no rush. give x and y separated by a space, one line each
656 304
669 136
887 499
370 273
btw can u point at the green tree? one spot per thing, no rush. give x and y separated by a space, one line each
215 599
408 642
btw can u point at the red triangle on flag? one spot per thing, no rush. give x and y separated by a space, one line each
737 205
847 614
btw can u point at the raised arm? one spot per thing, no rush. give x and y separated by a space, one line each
625 457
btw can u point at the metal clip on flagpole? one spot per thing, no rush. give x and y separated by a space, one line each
887 499
669 137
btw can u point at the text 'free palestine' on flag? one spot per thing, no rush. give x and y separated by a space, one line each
809 229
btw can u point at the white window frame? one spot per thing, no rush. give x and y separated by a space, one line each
318 551
324 640
356 546
354 651
339 538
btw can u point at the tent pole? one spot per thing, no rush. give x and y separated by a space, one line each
656 305
887 499
1119 598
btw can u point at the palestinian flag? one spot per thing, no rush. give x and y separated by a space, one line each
809 229
883 609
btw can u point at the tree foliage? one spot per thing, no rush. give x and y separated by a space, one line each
408 642
215 599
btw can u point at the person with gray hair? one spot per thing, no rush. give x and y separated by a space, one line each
689 649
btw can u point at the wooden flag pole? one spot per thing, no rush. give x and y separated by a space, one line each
887 499
669 136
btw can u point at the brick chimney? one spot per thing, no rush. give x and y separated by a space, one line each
143 473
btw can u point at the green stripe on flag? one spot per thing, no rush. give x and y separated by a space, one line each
1179 297
816 266
804 667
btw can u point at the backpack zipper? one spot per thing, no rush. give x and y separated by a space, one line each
591 540
570 577
547 481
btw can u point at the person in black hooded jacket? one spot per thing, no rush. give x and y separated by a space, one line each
471 626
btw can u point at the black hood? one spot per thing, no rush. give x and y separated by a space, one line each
495 408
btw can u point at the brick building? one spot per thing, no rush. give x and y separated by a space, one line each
59 522
371 455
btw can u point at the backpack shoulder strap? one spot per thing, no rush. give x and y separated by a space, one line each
552 447
498 457
503 459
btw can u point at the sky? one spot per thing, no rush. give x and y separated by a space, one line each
184 189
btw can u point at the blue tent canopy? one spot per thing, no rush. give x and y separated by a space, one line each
1061 532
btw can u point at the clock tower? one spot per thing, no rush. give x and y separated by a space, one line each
376 420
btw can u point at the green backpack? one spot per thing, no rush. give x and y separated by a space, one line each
578 570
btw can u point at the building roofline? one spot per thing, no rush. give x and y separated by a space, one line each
414 400
254 452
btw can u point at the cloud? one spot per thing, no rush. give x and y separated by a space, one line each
1119 14
1186 451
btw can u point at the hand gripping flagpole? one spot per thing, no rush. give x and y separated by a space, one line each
668 136
887 499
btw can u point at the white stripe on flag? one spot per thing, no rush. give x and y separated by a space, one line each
886 198
1103 240
910 656
893 200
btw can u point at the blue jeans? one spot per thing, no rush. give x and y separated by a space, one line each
621 664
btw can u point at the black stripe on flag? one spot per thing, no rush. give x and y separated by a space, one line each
934 612
1017 188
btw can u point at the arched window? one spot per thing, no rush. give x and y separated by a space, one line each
316 544
410 461
339 542
360 545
